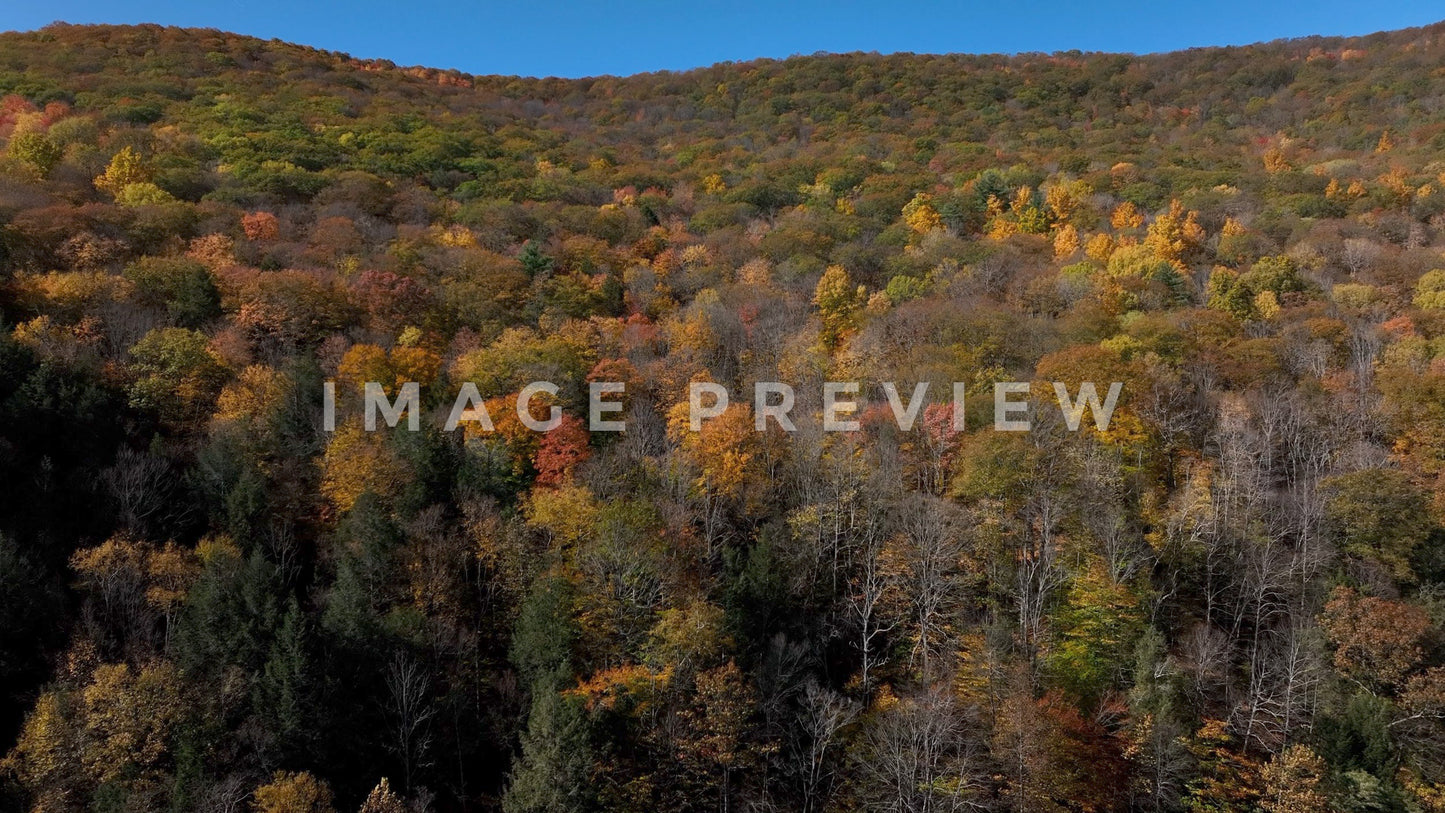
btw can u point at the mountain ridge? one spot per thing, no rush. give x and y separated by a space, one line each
1326 40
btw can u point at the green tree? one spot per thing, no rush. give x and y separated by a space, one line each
1381 516
1430 291
183 287
177 375
553 773
36 149
545 633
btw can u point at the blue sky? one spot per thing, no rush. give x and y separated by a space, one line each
578 38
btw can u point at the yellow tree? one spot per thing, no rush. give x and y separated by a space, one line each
128 719
45 759
116 729
1066 242
839 303
1064 199
1292 782
1101 247
568 513
293 793
920 215
1126 217
357 461
125 168
1430 291
1176 234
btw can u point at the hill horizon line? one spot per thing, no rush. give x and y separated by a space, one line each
1279 42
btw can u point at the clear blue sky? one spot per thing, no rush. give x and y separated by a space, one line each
581 38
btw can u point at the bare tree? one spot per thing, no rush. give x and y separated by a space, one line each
916 757
143 487
933 552
411 709
1359 254
1282 700
823 714
232 794
871 603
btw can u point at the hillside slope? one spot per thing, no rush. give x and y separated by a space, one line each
1225 596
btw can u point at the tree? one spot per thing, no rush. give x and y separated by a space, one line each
260 226
1097 627
1156 727
293 793
1225 779
184 288
411 711
133 583
1175 235
125 168
545 634
553 772
45 759
357 462
1293 782
114 731
534 262
1126 216
36 149
914 756
383 800
718 734
1377 641
818 743
839 303
177 374
931 548
920 216
1379 515
1430 291
561 451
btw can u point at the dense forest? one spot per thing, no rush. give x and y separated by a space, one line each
1231 599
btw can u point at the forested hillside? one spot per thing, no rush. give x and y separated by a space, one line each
1231 599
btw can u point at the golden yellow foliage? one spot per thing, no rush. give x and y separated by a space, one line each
293 793
1267 304
567 513
1176 234
1100 247
125 168
1293 782
1126 216
839 304
415 364
723 452
920 215
1275 161
357 461
253 398
45 756
1064 199
1066 242
128 718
